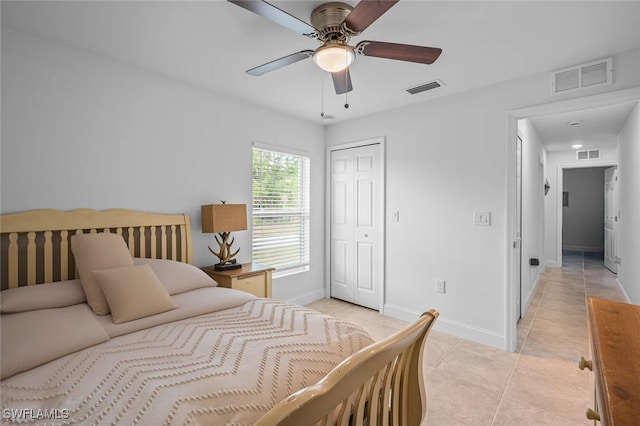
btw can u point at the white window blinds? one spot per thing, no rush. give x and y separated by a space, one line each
280 209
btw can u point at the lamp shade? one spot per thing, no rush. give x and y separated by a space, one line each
224 217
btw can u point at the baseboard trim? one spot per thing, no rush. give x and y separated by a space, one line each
624 293
588 249
456 328
551 264
307 298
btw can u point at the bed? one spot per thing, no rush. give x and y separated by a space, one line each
81 345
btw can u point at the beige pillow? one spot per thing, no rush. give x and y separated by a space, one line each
133 292
177 277
98 251
42 296
36 337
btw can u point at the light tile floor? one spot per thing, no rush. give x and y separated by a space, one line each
469 384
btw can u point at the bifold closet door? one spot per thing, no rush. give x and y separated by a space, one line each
356 240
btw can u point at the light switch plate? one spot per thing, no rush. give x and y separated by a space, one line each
482 218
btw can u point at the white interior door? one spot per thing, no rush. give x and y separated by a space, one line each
610 218
356 228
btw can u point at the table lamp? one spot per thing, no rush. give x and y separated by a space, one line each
222 219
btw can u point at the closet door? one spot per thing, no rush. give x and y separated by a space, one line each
356 229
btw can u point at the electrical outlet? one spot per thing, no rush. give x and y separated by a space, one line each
395 217
440 286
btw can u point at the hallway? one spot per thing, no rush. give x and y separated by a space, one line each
551 338
560 299
469 384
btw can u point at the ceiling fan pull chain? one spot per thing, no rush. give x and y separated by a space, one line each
346 84
322 93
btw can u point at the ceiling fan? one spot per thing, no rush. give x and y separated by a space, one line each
333 24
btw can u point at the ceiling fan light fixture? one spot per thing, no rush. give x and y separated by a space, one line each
334 57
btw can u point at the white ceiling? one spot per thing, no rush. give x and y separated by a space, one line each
591 128
211 43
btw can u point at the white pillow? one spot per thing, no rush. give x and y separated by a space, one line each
133 292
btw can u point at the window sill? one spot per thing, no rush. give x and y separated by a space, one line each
292 271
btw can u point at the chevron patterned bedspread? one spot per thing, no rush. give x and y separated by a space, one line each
225 367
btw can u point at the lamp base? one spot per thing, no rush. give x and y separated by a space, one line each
227 266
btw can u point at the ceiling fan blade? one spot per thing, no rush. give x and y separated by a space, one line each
365 13
279 16
281 62
342 81
400 52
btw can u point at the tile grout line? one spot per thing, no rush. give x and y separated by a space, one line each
519 355
524 340
506 386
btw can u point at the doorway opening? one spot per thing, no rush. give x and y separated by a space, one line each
553 246
589 213
583 211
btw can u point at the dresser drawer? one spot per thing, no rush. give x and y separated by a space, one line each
250 277
255 284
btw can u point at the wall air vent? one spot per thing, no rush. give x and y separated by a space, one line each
589 154
424 87
583 76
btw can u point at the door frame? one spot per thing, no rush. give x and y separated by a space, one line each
517 240
381 213
512 117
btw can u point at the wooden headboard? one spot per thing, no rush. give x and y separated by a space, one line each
35 246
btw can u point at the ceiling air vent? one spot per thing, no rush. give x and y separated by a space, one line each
583 76
424 87
590 154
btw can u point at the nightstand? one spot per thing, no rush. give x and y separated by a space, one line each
252 278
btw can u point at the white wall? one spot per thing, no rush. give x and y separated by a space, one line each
533 177
81 131
447 158
629 202
557 161
583 218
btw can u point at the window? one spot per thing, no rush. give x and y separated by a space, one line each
280 209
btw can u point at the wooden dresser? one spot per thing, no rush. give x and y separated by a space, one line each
614 333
